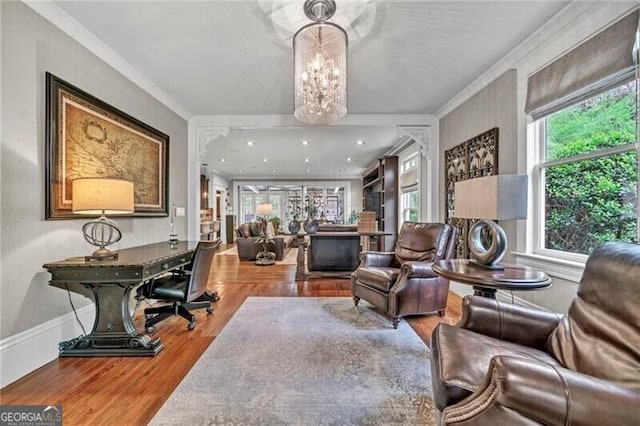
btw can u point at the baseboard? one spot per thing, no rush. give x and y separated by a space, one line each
29 350
502 295
507 296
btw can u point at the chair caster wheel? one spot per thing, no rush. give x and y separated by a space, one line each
191 325
150 329
209 310
148 316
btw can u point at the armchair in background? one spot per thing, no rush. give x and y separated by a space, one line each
185 289
507 364
402 282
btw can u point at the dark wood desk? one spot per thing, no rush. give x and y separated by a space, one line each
111 282
332 254
486 282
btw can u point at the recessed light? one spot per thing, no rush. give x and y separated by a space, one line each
349 159
222 160
265 159
360 142
239 170
305 142
308 170
306 160
274 170
343 170
250 143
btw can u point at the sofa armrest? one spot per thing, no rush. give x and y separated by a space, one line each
247 248
518 390
417 269
376 258
504 321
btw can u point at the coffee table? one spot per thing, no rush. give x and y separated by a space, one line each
486 282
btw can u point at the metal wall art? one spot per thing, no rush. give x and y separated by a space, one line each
474 158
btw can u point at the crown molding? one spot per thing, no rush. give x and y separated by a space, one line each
52 13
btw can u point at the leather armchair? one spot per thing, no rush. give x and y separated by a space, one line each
402 282
507 364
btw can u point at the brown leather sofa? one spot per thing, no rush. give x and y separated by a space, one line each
247 234
511 365
402 282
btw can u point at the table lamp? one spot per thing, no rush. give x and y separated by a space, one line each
489 198
102 196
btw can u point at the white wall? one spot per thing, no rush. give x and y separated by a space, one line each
576 23
30 47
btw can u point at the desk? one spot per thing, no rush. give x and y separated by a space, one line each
486 282
111 282
332 254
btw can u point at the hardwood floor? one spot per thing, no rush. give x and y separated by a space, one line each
131 390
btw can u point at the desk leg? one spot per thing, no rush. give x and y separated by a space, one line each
301 272
113 332
484 292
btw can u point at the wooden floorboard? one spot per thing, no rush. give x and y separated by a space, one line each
127 391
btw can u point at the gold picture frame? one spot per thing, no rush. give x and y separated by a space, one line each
86 137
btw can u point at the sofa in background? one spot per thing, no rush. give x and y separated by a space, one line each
247 233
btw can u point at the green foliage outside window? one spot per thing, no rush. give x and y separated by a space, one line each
592 200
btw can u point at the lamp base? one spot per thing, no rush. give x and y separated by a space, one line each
487 257
102 254
101 233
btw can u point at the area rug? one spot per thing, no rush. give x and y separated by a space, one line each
289 259
306 361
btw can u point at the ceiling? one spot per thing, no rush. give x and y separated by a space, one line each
235 58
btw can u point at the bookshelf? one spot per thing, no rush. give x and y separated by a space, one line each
380 194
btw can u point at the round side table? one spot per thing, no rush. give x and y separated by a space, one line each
486 282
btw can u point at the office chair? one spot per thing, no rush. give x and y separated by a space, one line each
186 289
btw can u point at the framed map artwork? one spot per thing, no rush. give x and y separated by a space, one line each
87 137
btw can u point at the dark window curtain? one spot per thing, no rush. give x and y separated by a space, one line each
600 63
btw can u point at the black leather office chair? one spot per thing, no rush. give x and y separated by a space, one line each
186 289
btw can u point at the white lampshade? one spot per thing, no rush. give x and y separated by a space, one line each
264 209
497 197
95 196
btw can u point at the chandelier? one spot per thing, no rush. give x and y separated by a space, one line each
320 66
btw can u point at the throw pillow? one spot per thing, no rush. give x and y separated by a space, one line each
255 229
245 230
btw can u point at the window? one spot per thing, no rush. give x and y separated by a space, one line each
587 172
289 201
410 206
410 199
